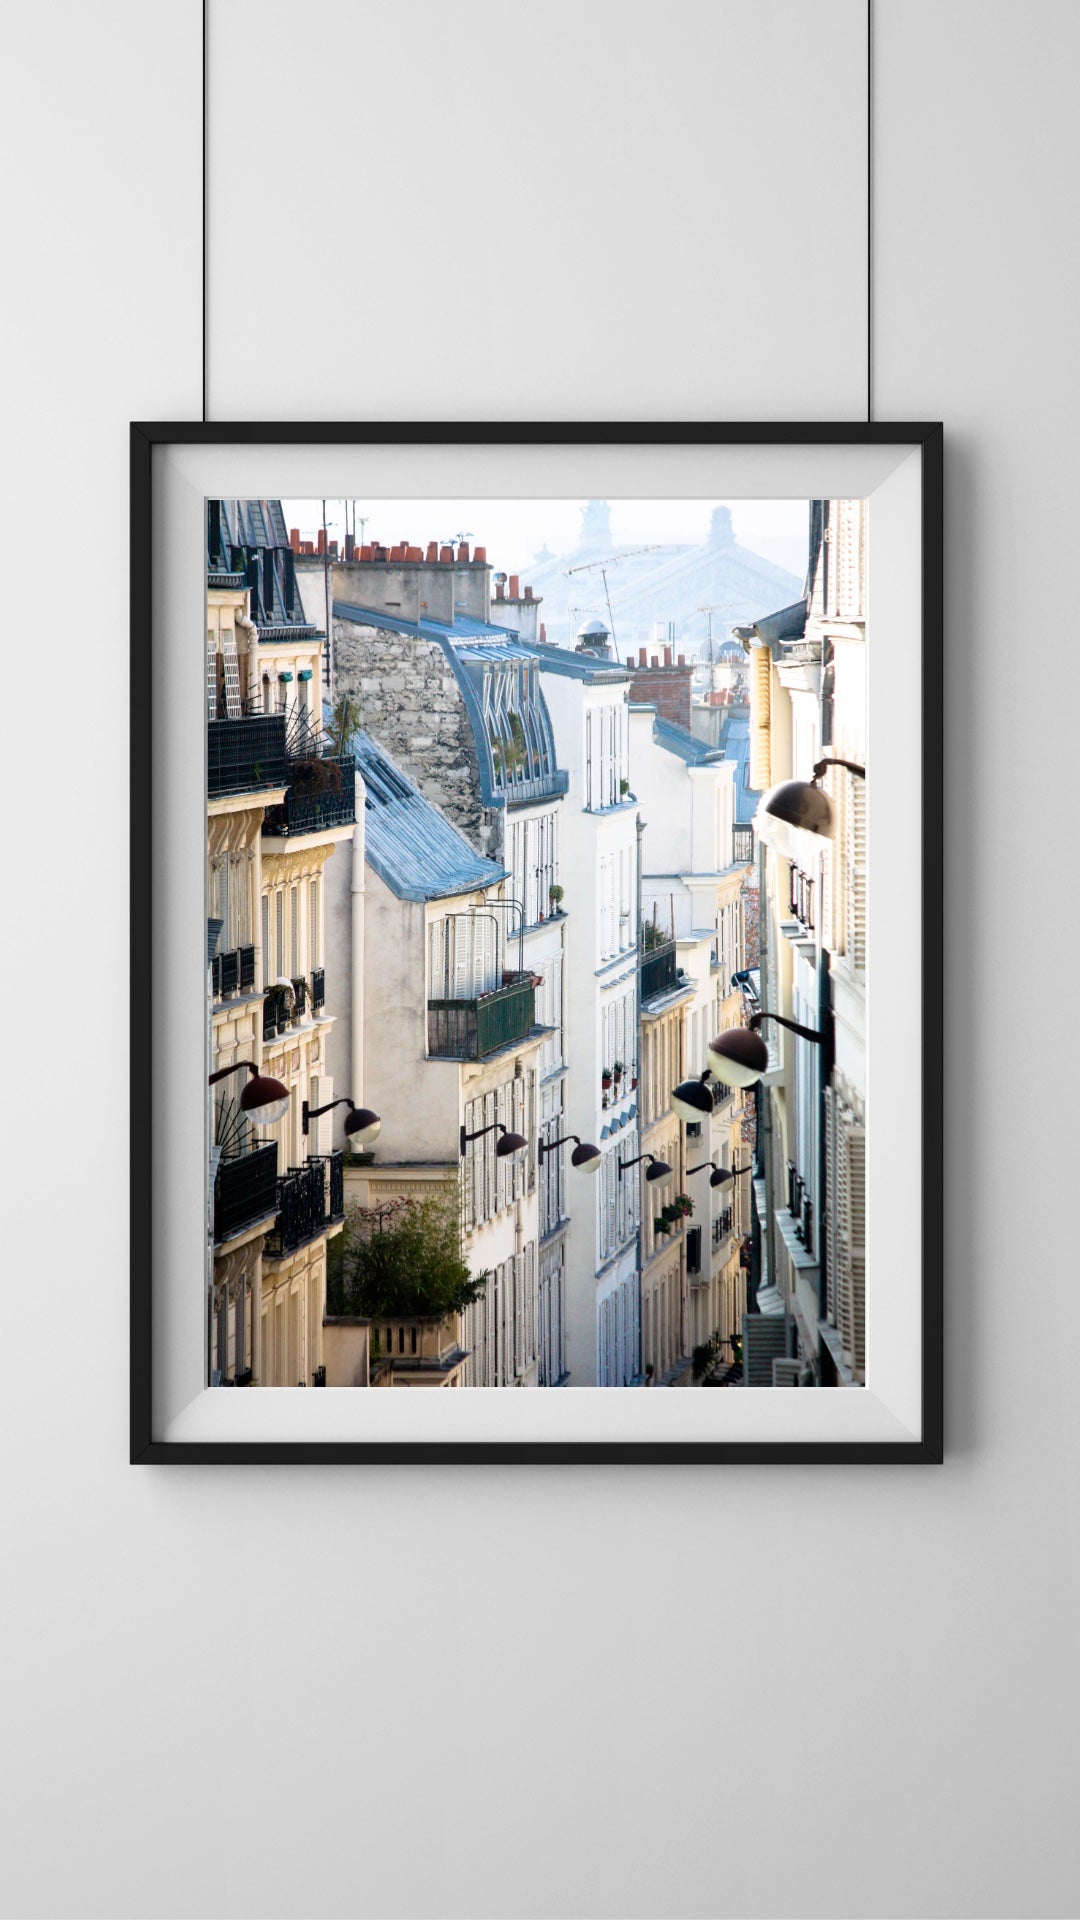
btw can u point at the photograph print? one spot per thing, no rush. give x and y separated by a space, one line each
536 943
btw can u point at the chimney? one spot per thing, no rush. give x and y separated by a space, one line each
543 633
528 593
432 553
413 553
333 550
366 552
308 547
514 589
322 539
479 556
294 539
655 660
446 555
643 658
378 552
500 590
630 661
682 659
667 656
350 546
398 552
463 552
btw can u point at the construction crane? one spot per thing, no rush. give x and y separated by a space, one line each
601 567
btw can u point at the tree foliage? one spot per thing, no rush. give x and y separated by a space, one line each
403 1261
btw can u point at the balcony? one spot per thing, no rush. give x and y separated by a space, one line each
801 899
233 972
471 1029
659 973
309 1199
245 1190
318 988
321 793
245 756
721 1227
279 1012
742 846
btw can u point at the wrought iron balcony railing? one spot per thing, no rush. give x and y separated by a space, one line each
279 1011
245 756
721 1227
318 988
471 1029
742 845
659 973
321 793
245 1190
233 972
309 1199
801 898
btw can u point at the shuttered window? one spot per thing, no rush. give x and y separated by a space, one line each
855 870
265 938
279 933
760 718
845 1185
314 940
463 952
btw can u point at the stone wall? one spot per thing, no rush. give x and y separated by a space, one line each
410 703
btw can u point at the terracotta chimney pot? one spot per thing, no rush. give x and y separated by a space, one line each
667 656
432 553
294 539
479 556
463 552
528 593
514 588
322 539
643 658
446 555
366 552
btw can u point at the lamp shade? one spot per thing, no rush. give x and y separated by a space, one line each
509 1143
787 813
264 1100
692 1101
586 1157
362 1128
657 1170
738 1057
719 1175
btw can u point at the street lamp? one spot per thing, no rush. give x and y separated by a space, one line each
798 807
263 1100
510 1142
585 1156
656 1169
361 1128
719 1174
692 1100
739 1056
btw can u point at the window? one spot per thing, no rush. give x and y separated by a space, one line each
294 933
463 952
533 864
314 942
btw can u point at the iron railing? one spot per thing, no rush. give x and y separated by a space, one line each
659 973
318 988
233 972
800 1207
721 1226
245 1189
299 988
742 845
309 1199
246 756
471 1029
278 1012
801 898
321 794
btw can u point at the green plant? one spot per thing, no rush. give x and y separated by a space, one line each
345 724
403 1260
683 1204
617 1069
652 935
660 1225
555 893
624 786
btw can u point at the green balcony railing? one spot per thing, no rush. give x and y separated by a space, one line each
471 1029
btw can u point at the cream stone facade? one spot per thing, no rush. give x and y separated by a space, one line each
278 805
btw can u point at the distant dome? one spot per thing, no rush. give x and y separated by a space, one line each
721 531
596 630
730 654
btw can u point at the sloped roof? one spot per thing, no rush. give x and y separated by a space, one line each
496 674
686 746
408 842
578 666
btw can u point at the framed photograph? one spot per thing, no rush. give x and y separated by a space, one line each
535 881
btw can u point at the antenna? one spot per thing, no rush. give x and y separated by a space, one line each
601 567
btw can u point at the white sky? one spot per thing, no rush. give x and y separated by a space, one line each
513 531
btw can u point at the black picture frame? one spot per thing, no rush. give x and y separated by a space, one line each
148 437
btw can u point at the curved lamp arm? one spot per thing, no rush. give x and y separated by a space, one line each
223 1072
805 1033
851 765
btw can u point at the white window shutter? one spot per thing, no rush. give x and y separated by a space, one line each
760 722
855 870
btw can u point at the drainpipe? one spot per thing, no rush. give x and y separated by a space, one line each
356 954
765 1110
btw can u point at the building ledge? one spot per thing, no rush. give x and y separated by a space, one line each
797 1253
250 1231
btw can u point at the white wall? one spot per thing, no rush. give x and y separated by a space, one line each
187 1729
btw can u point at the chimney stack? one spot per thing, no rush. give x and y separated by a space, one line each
294 539
528 593
515 590
667 656
322 540
500 590
682 659
432 553
446 555
350 546
480 557
643 658
463 552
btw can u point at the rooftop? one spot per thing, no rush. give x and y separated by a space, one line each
685 745
410 845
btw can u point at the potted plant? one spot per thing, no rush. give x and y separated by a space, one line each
683 1204
660 1226
624 787
555 894
617 1071
605 1077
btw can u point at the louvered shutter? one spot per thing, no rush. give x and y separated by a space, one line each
855 870
760 718
847 551
850 1156
211 677
294 933
314 942
831 1237
279 934
232 674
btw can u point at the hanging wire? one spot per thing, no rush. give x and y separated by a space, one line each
869 214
